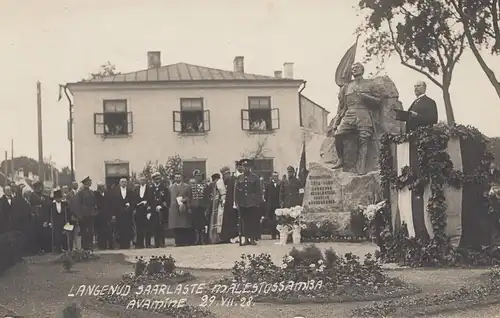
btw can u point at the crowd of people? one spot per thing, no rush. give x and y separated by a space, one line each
228 208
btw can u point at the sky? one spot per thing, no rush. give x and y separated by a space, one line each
60 41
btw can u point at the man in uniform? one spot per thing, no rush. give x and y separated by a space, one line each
160 202
247 198
86 213
354 116
290 190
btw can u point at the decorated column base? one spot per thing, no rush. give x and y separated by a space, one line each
435 180
331 195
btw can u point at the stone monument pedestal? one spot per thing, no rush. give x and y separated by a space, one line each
330 195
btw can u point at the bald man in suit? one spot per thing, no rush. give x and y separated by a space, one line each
423 111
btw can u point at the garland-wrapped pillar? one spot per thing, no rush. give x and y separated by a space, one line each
435 179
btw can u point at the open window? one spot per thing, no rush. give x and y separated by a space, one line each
115 120
260 116
192 118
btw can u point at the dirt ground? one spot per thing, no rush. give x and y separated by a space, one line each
39 288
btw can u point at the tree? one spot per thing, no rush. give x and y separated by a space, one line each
480 20
105 70
29 165
423 34
258 152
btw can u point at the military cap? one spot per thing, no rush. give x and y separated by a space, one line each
290 168
215 176
225 169
245 162
86 180
156 174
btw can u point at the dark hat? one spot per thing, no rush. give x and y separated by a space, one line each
245 162
57 194
37 184
290 168
215 176
86 180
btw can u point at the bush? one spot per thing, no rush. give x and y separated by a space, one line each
11 249
431 305
328 276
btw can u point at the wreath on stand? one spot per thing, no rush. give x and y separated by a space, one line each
435 168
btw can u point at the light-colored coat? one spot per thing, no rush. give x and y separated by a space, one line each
176 217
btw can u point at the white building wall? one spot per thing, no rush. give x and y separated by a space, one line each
153 137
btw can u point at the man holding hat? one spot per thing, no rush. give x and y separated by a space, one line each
290 190
230 218
86 212
247 198
59 217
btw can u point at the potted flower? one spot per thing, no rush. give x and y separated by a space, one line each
371 212
297 223
289 220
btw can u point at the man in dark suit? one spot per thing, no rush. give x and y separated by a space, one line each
423 111
230 215
6 202
58 218
159 203
143 215
272 198
123 205
103 219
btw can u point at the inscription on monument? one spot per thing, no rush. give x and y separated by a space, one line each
322 191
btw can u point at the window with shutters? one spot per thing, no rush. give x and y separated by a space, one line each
115 120
192 117
260 117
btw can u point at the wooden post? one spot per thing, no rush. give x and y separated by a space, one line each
41 173
12 167
6 168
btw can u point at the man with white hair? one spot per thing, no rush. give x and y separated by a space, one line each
423 111
6 202
123 206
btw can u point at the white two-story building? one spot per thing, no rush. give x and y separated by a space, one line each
209 117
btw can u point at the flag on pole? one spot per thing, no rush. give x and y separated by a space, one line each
302 168
343 72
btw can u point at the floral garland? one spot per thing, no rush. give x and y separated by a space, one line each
435 168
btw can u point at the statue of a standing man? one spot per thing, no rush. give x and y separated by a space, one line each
356 100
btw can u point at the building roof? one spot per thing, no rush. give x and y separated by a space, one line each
183 72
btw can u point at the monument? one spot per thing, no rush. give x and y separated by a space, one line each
348 175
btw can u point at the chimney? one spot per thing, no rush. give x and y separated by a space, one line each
288 70
239 64
278 74
154 59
